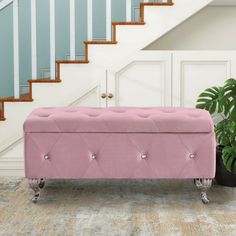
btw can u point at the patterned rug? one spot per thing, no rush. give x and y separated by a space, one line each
142 208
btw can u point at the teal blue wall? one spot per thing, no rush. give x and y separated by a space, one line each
24 41
43 35
118 12
6 53
135 10
99 19
80 25
62 29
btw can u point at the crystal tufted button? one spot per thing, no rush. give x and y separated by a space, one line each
46 157
93 156
144 156
192 156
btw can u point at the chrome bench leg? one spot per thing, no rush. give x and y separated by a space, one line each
204 185
42 183
36 185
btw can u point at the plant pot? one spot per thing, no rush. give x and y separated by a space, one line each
223 176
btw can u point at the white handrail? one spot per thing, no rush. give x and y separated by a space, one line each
72 29
108 20
90 19
5 3
33 40
52 40
128 10
16 48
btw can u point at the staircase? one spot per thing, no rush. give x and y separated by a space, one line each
156 19
27 97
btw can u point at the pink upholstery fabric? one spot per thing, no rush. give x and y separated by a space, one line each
119 137
119 119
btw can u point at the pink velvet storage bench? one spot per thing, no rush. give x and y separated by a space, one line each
119 143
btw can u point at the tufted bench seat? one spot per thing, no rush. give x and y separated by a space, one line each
119 143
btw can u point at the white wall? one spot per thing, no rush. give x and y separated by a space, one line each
213 28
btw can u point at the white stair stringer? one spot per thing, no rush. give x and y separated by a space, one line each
159 20
12 158
75 83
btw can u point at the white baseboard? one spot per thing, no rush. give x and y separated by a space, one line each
11 167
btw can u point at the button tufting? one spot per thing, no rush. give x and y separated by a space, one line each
153 120
143 116
119 111
93 115
71 110
46 157
194 115
48 108
93 156
144 156
43 115
192 156
169 111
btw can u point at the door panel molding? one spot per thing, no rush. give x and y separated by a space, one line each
204 68
155 62
184 64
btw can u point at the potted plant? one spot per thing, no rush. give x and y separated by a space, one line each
221 101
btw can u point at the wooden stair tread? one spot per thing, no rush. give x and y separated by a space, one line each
170 3
129 23
100 42
44 81
72 62
16 100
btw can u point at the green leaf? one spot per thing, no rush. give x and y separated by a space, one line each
230 82
227 107
234 166
229 158
206 100
212 107
232 115
200 106
222 130
205 94
212 90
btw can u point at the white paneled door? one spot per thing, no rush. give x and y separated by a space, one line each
195 71
159 78
144 80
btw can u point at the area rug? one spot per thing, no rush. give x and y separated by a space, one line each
121 207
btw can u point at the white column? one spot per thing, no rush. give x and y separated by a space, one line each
128 10
145 0
52 40
90 19
33 40
16 49
108 20
72 29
